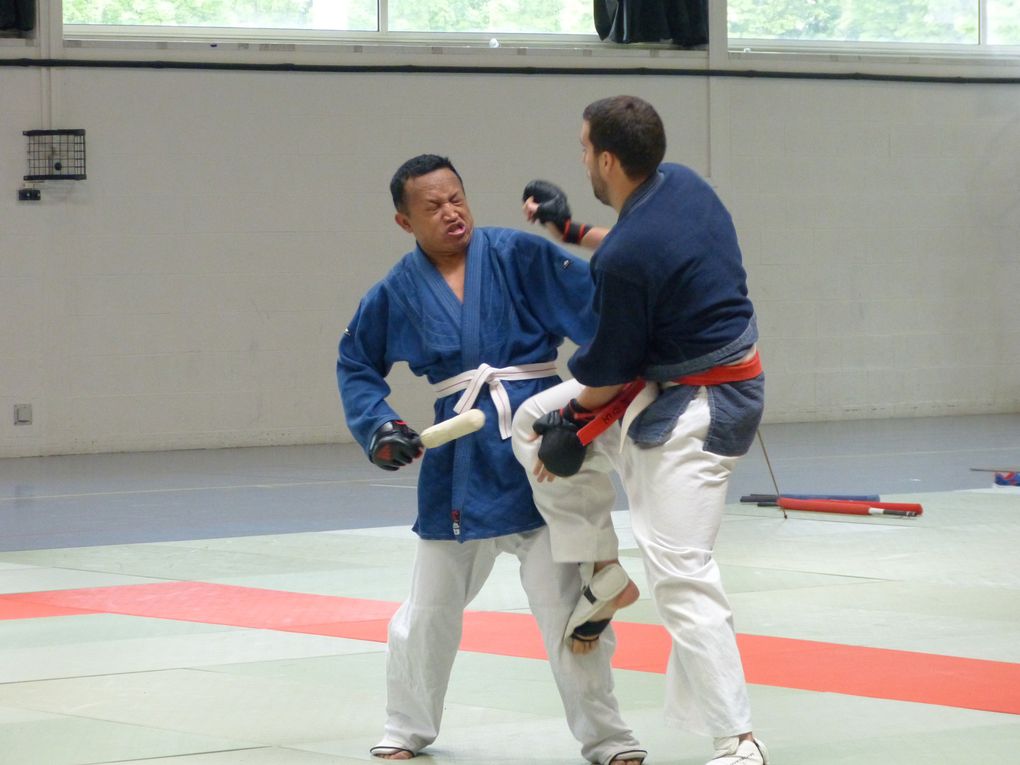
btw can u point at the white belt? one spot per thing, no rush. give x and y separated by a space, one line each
642 401
471 383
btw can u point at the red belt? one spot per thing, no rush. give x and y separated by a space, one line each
613 411
727 373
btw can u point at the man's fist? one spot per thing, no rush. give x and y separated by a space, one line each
561 451
553 208
552 203
394 445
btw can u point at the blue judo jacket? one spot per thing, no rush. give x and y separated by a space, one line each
522 296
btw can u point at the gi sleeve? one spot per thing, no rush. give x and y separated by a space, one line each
362 366
559 288
618 352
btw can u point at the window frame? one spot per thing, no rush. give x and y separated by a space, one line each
197 45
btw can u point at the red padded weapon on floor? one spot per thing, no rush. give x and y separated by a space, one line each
852 507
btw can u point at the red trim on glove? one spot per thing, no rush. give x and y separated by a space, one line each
573 233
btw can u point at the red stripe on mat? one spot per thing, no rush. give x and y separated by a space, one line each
782 662
10 608
214 604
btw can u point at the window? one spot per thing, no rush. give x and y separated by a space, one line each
506 16
925 22
1003 22
557 17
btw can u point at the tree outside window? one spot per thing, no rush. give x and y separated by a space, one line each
1004 22
845 21
437 16
875 21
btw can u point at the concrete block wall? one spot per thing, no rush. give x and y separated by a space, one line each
191 292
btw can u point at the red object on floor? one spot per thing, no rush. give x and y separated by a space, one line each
776 661
850 506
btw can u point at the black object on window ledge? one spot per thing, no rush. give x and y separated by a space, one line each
17 14
682 22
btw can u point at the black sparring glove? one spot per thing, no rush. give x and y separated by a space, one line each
552 203
561 451
394 445
553 208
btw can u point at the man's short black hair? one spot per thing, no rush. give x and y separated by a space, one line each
629 128
415 167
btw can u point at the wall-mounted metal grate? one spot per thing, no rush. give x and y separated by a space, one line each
56 155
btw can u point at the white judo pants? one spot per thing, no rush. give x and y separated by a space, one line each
425 633
676 494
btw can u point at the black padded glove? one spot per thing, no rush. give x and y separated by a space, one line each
394 445
552 203
561 451
553 208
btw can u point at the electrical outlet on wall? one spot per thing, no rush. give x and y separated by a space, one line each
22 414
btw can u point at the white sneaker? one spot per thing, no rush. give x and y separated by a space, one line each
733 751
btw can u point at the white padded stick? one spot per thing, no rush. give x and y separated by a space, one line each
455 427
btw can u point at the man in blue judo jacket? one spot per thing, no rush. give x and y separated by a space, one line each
479 313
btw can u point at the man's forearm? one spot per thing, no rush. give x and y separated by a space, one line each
596 398
593 237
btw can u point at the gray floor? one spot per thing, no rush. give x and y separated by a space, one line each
86 679
121 498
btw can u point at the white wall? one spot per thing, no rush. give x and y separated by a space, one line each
190 293
881 225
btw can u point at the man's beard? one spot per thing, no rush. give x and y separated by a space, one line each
598 187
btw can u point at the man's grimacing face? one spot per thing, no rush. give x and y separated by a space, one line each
437 213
